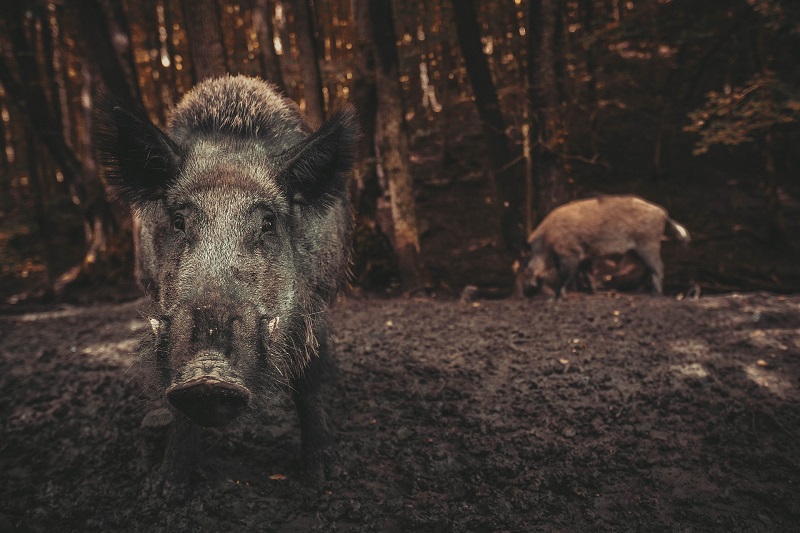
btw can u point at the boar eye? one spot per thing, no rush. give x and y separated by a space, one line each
178 222
268 224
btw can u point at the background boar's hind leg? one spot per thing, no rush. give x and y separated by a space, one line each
651 256
567 273
313 421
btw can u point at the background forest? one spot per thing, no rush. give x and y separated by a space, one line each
478 117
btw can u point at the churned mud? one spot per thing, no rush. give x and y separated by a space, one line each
599 413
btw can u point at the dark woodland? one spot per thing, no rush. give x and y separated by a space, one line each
491 114
458 404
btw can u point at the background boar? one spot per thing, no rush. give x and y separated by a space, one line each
571 236
244 241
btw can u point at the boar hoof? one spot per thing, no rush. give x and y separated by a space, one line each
208 401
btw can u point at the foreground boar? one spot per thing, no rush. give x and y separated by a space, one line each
580 231
244 241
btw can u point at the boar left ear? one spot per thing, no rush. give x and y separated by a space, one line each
140 160
316 169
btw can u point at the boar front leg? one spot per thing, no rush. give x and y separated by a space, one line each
568 266
180 463
313 420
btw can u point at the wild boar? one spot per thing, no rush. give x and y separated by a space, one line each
574 234
244 241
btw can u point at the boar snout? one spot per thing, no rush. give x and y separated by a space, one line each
208 394
530 287
212 347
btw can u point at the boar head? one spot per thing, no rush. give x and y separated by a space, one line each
244 228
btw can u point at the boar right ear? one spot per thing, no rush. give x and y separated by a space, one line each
139 159
316 169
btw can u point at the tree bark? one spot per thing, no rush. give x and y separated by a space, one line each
270 63
545 105
117 25
392 147
505 176
587 18
109 48
209 59
40 212
305 33
365 93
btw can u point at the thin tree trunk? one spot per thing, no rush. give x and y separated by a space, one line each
270 63
117 25
545 106
6 196
770 189
49 55
587 18
365 191
504 174
365 93
43 223
205 39
392 147
305 33
109 47
98 221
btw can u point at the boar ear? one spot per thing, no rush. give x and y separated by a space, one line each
316 169
140 160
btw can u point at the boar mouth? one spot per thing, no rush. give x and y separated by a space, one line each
209 401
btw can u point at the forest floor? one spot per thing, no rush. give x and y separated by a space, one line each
598 413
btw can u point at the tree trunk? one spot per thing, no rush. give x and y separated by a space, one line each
305 33
371 248
392 147
117 25
270 63
777 221
205 39
104 236
505 176
545 105
587 18
365 93
7 201
41 215
108 46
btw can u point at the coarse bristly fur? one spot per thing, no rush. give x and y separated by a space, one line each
577 232
245 240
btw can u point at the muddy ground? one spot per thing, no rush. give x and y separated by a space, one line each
599 413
